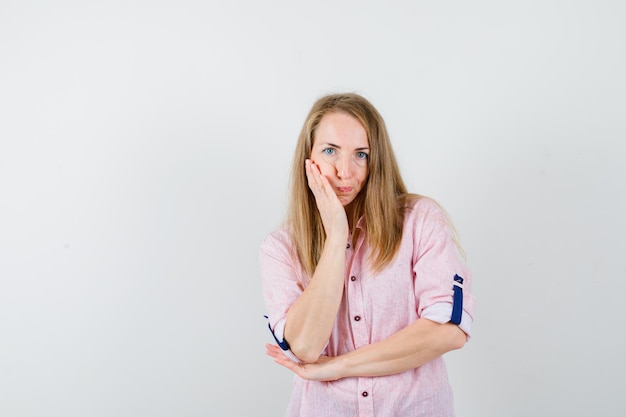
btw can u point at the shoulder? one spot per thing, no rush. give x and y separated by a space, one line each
418 208
426 225
277 242
425 220
278 255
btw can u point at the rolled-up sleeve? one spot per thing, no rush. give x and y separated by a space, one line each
281 281
436 263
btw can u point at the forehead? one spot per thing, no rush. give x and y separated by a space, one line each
341 129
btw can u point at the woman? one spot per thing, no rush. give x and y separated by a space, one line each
363 284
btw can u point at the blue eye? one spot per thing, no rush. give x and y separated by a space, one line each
328 151
361 155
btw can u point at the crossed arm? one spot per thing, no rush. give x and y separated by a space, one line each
409 348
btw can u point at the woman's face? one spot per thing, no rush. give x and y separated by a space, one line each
341 150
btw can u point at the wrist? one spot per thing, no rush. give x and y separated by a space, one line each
336 241
341 368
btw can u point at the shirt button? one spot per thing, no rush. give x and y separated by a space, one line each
353 278
357 318
364 393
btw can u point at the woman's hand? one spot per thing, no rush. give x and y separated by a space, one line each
331 210
324 369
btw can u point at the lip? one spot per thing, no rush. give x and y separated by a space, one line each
345 190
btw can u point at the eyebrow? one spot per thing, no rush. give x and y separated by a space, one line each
339 147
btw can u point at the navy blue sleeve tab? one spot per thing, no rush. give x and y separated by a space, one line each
283 345
457 306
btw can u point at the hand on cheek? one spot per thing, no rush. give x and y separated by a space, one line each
330 208
316 167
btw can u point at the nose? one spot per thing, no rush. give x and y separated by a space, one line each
344 167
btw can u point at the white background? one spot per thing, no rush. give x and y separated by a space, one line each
145 149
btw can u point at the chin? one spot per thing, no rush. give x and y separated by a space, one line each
346 201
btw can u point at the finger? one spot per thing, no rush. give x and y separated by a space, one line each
292 366
279 357
273 350
319 180
313 174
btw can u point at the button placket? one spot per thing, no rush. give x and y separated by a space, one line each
355 311
366 400
360 332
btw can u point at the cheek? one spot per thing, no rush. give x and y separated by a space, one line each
363 176
326 167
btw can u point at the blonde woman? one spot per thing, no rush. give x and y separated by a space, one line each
364 286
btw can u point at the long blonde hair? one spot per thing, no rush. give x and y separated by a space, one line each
380 202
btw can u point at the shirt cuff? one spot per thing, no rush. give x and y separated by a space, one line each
279 333
441 313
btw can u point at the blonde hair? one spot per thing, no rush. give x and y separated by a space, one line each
380 202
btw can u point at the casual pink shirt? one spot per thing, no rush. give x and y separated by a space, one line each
418 283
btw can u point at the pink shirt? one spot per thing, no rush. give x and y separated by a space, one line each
418 283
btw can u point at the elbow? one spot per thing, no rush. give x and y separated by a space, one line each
306 354
459 342
451 337
306 350
309 358
457 339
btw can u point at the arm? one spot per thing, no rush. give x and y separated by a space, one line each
310 319
411 347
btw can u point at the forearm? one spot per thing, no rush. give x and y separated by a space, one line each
411 347
311 318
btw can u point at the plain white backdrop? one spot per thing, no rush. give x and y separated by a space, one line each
144 154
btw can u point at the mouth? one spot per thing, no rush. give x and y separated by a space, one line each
345 190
